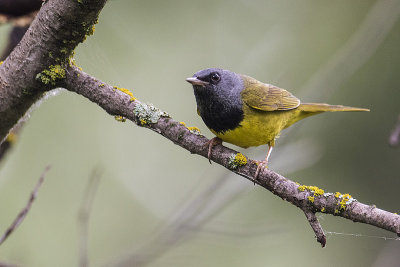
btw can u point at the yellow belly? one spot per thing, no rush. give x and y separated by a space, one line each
258 127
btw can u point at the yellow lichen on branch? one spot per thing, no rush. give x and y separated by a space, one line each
194 130
236 161
313 189
12 138
120 118
51 75
345 199
126 91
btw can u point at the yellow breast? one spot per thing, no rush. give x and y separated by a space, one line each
257 128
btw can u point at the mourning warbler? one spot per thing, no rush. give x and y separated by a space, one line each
245 112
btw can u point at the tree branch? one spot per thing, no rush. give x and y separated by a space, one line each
310 199
38 62
316 226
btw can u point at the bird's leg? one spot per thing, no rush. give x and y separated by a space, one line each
264 162
210 144
270 147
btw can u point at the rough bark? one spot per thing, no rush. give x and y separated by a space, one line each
47 46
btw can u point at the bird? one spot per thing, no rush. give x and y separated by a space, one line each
245 112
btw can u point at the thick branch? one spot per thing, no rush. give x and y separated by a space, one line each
57 29
309 199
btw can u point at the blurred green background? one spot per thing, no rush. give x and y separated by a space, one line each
339 52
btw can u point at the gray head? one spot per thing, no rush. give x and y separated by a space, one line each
218 82
218 98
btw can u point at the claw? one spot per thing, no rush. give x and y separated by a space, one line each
211 143
263 163
260 164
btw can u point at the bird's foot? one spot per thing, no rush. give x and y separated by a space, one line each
210 144
260 164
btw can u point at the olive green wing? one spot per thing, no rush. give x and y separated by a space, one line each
267 97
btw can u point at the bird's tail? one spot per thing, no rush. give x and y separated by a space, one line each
320 107
309 109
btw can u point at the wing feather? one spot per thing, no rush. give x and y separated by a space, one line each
267 97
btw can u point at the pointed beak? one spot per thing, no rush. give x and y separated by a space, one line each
195 81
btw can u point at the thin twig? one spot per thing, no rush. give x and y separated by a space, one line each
394 138
84 214
316 226
21 216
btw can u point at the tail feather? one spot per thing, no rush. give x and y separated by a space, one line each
321 107
309 109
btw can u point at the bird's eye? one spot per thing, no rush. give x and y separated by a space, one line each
215 77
